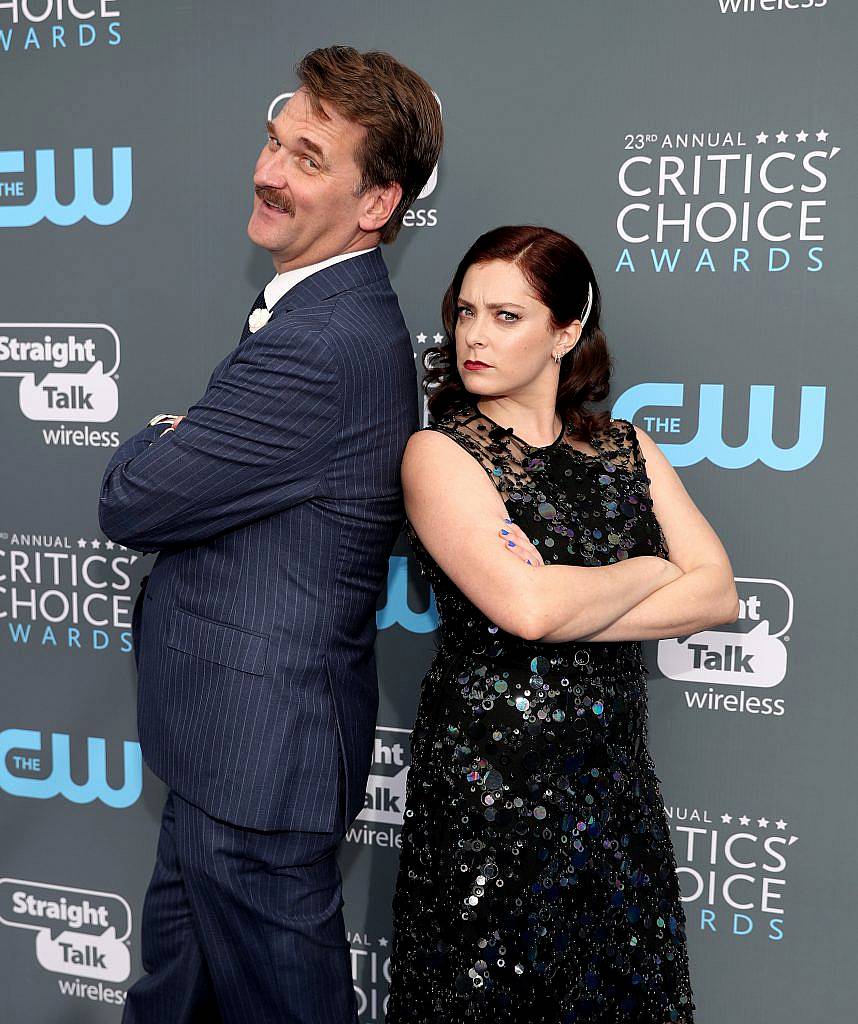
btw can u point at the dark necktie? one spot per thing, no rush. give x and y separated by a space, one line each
258 304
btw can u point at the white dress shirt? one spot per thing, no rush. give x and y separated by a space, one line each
281 283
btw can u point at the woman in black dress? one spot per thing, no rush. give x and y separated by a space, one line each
537 879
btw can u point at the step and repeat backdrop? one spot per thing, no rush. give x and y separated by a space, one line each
703 153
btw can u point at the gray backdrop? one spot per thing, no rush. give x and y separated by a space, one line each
703 154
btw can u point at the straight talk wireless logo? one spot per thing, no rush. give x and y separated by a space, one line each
768 6
732 667
80 933
67 376
380 821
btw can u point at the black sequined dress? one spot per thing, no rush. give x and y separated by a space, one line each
537 880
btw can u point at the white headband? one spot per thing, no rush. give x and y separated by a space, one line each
588 306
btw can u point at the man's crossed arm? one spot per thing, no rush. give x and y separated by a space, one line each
258 441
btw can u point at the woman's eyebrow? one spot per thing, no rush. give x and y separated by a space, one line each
492 305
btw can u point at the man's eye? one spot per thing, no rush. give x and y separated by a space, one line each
311 161
273 143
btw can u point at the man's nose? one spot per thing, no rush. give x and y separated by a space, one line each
270 172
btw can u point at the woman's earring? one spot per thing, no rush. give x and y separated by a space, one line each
557 356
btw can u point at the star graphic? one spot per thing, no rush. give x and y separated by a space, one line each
822 136
781 824
109 545
762 137
801 136
438 338
744 820
726 818
81 543
95 544
421 338
781 137
382 942
763 822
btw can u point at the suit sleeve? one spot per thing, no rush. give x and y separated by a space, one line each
257 442
135 444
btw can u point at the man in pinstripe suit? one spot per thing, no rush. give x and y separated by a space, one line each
274 504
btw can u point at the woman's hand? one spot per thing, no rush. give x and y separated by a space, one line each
515 541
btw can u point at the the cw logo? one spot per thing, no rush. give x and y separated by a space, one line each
21 751
708 442
397 609
45 206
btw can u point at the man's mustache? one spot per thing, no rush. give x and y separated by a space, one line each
275 198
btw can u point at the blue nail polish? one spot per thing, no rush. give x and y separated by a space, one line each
507 520
529 562
511 543
504 532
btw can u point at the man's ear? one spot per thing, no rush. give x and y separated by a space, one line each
382 203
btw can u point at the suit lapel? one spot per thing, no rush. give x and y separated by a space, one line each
339 277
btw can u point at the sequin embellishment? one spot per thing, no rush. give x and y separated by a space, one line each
537 879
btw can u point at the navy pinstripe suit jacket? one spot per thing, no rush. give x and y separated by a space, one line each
274 507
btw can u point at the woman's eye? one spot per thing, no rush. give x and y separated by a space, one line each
502 313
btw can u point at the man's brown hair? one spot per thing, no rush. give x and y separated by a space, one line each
394 104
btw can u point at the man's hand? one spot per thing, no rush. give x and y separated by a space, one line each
164 417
